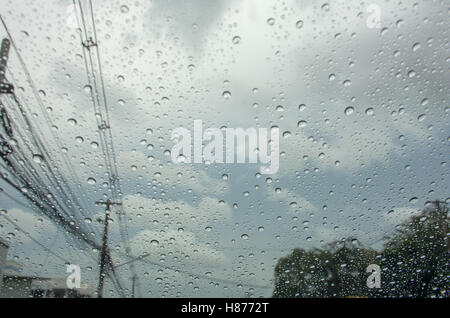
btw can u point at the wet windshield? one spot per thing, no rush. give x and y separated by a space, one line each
224 148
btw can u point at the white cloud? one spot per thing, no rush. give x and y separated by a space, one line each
175 214
173 246
295 203
182 176
39 227
397 216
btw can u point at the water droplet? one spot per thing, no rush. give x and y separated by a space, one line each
271 21
301 124
154 242
299 24
416 47
79 139
87 89
72 121
349 110
226 94
422 117
236 39
181 159
370 111
286 134
38 158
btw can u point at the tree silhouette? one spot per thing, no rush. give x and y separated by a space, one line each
415 262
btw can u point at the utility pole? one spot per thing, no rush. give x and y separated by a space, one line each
5 87
133 287
104 253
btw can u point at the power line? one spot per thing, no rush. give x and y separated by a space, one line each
14 199
33 239
48 120
115 281
107 147
24 172
94 72
28 175
143 259
53 213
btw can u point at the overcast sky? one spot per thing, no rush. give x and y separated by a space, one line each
373 149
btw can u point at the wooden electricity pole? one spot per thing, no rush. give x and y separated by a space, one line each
133 287
5 87
104 252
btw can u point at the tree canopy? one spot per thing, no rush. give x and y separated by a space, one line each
414 262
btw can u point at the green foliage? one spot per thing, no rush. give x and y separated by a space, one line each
415 262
